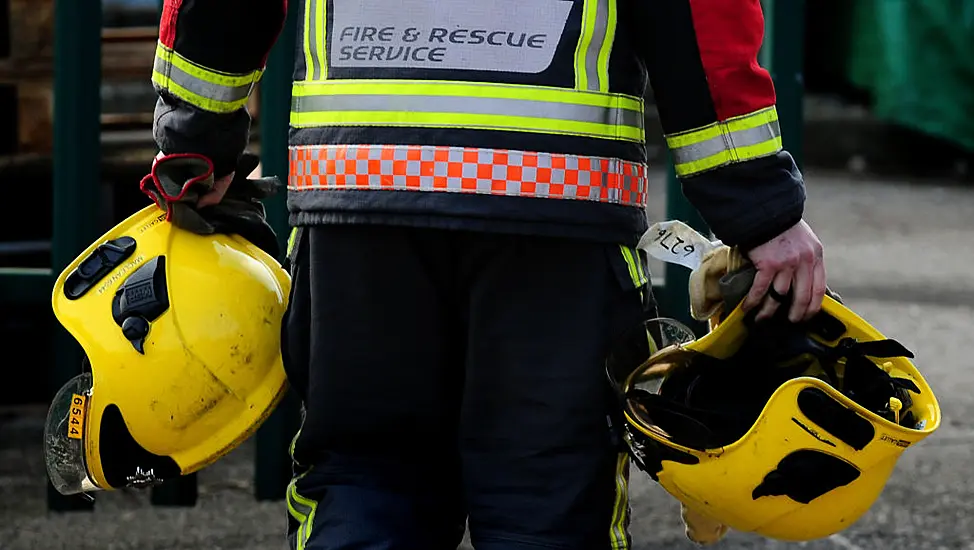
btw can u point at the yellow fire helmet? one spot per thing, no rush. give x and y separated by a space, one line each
182 336
789 431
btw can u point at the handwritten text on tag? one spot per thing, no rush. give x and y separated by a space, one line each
676 242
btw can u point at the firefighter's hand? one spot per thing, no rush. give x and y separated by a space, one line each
791 262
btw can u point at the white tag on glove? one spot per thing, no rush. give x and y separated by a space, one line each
675 242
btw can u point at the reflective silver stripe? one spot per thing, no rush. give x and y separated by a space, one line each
597 34
208 90
595 47
302 510
467 105
619 532
314 39
299 510
310 40
726 143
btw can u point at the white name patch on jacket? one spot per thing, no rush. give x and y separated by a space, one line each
497 35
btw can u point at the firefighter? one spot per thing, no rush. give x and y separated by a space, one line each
467 185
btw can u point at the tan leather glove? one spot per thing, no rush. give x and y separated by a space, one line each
705 297
701 529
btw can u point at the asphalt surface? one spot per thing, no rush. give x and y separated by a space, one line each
900 253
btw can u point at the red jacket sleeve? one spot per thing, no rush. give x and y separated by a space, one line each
209 57
717 109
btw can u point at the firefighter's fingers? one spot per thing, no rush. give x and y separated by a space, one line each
215 195
759 288
776 295
801 287
819 277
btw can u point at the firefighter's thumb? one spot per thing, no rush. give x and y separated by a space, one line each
216 193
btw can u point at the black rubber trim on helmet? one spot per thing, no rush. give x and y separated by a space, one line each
98 264
687 426
835 418
124 462
805 475
648 454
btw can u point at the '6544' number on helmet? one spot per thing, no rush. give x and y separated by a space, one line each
77 418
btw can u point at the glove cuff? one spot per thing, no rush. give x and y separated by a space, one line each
173 191
173 178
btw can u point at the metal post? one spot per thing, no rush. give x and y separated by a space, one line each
784 57
181 491
77 132
272 461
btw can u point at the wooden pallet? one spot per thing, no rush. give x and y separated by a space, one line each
126 56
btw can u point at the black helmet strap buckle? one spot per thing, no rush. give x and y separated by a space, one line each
141 299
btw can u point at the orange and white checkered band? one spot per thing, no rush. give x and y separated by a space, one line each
467 170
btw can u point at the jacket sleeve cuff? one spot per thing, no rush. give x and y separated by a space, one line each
749 203
181 128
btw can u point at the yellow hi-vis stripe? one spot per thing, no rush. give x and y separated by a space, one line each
618 530
320 37
606 49
598 27
637 271
447 104
303 510
201 87
742 138
310 46
290 248
313 37
635 265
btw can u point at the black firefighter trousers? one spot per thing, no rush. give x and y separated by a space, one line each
451 376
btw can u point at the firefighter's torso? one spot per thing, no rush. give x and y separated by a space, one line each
518 98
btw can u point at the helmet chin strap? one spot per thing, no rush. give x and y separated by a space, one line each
782 339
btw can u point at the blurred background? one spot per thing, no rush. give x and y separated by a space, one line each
876 100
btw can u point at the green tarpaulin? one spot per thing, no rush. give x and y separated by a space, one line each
916 59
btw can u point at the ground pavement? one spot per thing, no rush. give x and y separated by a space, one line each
899 253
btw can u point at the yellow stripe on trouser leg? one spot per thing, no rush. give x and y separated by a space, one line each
639 278
635 265
636 269
618 532
301 509
290 248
